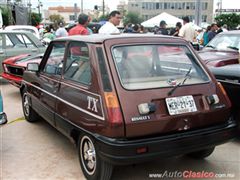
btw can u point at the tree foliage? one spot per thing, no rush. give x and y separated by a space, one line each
133 18
56 18
35 19
103 17
6 15
231 20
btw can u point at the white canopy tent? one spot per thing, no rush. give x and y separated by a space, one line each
168 18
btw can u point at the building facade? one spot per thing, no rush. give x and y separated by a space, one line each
179 8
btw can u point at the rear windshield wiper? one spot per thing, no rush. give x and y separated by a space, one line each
233 47
211 46
187 75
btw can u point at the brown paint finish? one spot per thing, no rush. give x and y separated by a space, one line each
85 106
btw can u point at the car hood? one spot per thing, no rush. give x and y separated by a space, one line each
218 58
23 60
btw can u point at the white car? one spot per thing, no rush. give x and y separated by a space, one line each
28 28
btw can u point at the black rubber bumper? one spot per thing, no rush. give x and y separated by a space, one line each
120 152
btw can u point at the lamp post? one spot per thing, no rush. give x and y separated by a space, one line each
29 11
39 7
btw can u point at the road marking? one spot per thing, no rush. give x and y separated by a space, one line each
16 120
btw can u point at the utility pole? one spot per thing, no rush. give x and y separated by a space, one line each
103 8
198 12
81 6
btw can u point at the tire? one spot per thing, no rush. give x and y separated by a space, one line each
202 153
29 114
92 166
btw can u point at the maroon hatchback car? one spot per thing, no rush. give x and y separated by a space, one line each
125 99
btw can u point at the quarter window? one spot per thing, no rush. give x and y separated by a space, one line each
78 64
54 63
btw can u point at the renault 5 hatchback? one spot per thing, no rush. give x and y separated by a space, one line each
125 99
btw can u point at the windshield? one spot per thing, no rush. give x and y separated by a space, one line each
154 66
225 42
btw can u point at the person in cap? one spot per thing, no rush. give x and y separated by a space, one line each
81 27
187 31
110 26
61 31
162 28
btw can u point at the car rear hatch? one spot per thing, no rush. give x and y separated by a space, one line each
163 89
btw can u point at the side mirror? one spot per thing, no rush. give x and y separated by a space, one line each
33 67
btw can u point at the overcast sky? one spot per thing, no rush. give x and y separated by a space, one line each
112 4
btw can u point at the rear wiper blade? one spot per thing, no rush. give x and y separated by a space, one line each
187 75
211 46
233 47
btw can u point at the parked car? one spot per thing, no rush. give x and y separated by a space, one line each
28 28
125 99
13 43
14 67
3 116
229 76
222 50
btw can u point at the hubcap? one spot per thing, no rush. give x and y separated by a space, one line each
88 155
26 105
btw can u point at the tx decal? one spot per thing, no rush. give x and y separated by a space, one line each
92 104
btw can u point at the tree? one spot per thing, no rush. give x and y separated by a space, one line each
56 18
132 18
231 20
103 17
6 15
35 19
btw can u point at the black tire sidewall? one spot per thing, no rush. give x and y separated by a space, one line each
96 174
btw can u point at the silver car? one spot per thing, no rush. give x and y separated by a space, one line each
13 43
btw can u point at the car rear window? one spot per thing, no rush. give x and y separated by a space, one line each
154 66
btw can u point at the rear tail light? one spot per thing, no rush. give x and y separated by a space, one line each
224 92
113 108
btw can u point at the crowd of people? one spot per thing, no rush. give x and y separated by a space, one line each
186 30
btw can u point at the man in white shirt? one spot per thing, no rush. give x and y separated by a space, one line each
110 26
61 31
187 31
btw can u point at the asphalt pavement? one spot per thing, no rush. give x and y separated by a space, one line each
38 151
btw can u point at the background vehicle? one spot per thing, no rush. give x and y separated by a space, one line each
14 67
27 28
125 99
13 43
222 50
229 76
3 116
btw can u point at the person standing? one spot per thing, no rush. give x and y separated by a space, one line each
213 32
110 26
175 31
81 27
187 31
61 31
162 28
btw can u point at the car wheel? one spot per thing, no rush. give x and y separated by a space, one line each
92 166
201 154
29 114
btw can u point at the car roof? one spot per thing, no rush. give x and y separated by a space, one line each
231 32
14 32
100 38
21 26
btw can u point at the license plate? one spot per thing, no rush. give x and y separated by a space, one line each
180 105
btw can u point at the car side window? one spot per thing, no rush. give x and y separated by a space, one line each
77 66
54 62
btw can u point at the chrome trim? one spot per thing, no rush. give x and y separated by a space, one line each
228 81
70 104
